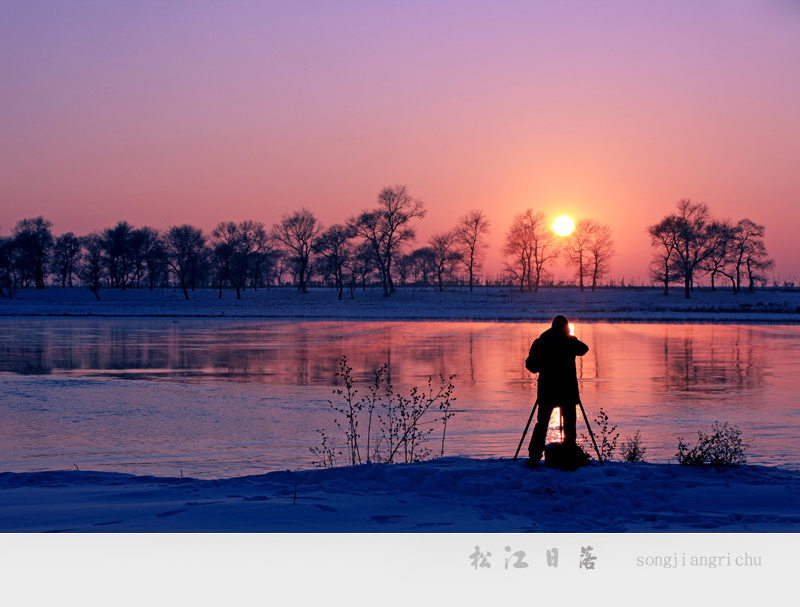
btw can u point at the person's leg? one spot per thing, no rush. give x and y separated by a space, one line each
536 448
570 416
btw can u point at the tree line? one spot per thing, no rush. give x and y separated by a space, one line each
370 247
373 247
690 243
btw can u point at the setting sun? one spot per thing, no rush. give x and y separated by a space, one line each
563 226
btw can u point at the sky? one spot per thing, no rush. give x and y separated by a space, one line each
163 113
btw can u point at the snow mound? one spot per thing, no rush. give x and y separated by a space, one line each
443 495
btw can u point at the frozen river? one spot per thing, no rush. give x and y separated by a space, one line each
218 398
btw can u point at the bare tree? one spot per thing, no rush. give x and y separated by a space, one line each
422 265
747 254
691 240
600 250
263 254
403 268
388 228
445 254
223 243
577 249
143 242
6 265
719 239
34 240
183 245
530 247
66 257
364 263
662 236
518 251
369 226
758 263
118 253
251 237
335 247
297 232
545 250
155 258
470 233
93 262
282 263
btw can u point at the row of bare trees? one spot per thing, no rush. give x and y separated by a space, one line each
371 244
123 256
375 240
690 243
531 248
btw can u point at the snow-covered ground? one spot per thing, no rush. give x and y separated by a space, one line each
630 305
455 495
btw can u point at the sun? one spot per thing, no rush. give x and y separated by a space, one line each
563 226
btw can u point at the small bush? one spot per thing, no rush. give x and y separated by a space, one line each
632 449
404 422
608 439
722 447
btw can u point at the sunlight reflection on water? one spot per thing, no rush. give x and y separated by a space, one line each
221 398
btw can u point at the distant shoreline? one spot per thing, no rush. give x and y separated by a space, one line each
753 319
495 304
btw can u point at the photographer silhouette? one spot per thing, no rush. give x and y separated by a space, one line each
552 355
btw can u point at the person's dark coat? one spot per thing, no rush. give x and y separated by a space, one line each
555 351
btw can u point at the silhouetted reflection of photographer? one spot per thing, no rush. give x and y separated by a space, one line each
554 355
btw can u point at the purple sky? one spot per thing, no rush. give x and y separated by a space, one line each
170 112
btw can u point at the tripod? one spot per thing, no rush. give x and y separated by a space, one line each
585 419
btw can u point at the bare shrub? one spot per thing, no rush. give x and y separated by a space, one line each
632 449
608 439
405 422
723 446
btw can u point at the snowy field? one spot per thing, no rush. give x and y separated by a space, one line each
447 495
625 305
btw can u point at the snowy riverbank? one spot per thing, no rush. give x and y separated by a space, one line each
455 495
493 304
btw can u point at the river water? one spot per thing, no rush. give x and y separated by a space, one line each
217 398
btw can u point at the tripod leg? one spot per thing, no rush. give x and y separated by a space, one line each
528 425
594 442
